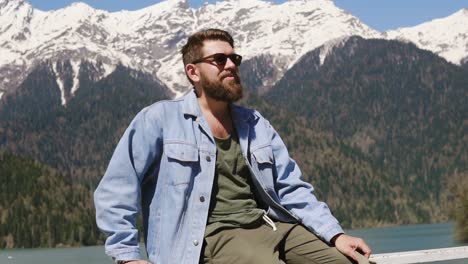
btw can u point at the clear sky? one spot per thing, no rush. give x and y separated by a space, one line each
378 14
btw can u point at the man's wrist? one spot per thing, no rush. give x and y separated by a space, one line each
333 240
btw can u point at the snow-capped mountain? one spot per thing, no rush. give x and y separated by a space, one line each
447 37
150 39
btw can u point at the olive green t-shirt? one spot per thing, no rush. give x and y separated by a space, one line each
232 202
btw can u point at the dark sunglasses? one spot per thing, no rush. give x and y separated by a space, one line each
221 58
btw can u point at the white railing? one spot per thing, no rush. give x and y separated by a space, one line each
420 256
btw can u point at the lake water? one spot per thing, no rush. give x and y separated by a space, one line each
382 240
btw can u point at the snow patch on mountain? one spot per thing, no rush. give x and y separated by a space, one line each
60 83
447 37
328 47
76 75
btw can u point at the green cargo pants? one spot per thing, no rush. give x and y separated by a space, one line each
290 243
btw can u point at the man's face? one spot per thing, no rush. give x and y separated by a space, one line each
218 81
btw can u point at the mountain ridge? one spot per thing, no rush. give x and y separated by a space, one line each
400 111
149 39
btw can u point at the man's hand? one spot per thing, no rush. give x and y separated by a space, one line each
348 245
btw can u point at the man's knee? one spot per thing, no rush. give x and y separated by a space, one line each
339 258
244 257
260 257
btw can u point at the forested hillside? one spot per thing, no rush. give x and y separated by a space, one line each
40 208
401 109
78 138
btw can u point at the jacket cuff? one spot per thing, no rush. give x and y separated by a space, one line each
334 230
125 254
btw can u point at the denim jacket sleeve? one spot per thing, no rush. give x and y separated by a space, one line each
117 198
297 196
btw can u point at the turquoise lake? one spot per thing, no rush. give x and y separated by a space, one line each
382 240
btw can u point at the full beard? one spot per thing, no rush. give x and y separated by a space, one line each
227 91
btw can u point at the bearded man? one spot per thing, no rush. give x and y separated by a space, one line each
213 180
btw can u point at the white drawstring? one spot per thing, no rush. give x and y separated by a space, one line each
269 221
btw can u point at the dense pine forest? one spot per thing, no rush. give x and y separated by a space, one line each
40 208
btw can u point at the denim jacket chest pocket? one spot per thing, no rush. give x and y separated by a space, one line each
264 160
263 155
181 162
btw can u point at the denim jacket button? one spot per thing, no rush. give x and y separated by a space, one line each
195 242
202 198
208 158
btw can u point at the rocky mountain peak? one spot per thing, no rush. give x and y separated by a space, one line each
12 7
464 11
165 5
4 3
80 6
179 3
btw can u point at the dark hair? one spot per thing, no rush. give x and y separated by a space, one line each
191 51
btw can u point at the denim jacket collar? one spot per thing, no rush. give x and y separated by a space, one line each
192 107
190 104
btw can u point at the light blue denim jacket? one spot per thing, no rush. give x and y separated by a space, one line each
164 166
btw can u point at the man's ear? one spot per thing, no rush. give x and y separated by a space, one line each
192 72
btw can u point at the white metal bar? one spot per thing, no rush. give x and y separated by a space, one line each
421 256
